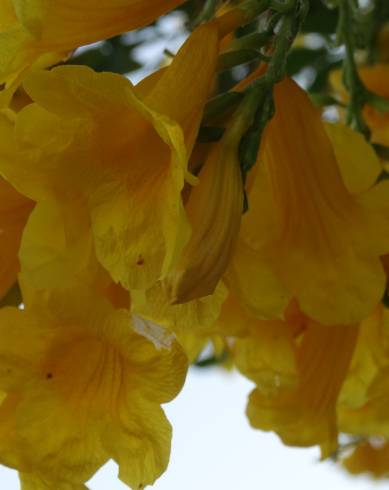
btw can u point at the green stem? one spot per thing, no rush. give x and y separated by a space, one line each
353 83
258 101
207 12
282 7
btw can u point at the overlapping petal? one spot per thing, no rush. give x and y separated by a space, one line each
321 242
193 322
297 399
92 140
14 212
78 361
363 402
40 33
214 210
369 457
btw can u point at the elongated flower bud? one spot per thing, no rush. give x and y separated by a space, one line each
214 210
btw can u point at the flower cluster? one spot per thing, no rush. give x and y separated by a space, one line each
140 223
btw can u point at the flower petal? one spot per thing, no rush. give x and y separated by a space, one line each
305 415
140 444
357 160
37 33
313 232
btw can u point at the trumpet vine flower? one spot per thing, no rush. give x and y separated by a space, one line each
321 243
297 391
83 384
214 209
92 139
41 33
369 457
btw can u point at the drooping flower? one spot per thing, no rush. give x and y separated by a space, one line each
214 210
369 457
362 408
299 369
369 358
53 243
37 33
317 241
82 385
66 255
121 152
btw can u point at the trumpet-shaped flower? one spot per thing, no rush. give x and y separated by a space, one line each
369 457
321 243
66 255
52 241
214 210
41 32
364 398
83 385
121 151
266 354
300 372
370 356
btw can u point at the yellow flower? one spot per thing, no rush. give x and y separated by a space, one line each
316 241
121 151
266 355
372 458
234 320
84 384
14 212
41 33
369 358
364 398
300 370
56 246
65 256
252 280
214 210
193 322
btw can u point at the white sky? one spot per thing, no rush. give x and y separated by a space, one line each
215 449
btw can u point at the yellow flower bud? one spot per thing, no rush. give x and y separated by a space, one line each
214 209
